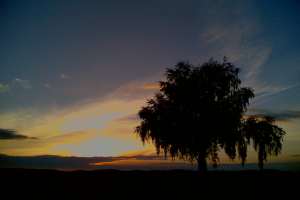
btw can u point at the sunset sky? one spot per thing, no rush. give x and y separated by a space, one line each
74 74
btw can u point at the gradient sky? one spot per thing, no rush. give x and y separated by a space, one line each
75 73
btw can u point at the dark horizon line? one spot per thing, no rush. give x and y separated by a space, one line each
138 157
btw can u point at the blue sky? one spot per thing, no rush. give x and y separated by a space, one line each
97 61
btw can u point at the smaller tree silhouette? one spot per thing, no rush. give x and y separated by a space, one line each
266 137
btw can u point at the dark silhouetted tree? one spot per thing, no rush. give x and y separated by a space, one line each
198 110
265 136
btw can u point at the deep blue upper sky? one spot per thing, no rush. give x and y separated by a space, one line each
99 45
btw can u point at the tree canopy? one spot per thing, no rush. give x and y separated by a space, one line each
198 111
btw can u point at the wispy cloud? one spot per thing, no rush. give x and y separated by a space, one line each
150 86
281 115
81 123
47 85
256 60
25 84
235 34
232 41
141 89
241 45
265 91
131 117
64 76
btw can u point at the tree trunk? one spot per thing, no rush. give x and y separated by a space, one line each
202 165
260 160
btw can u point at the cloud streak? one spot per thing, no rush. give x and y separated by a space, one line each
25 84
64 76
264 91
234 32
283 115
8 134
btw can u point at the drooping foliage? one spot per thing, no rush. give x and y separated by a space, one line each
200 110
265 136
197 111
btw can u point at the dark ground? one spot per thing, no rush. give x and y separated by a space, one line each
140 184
